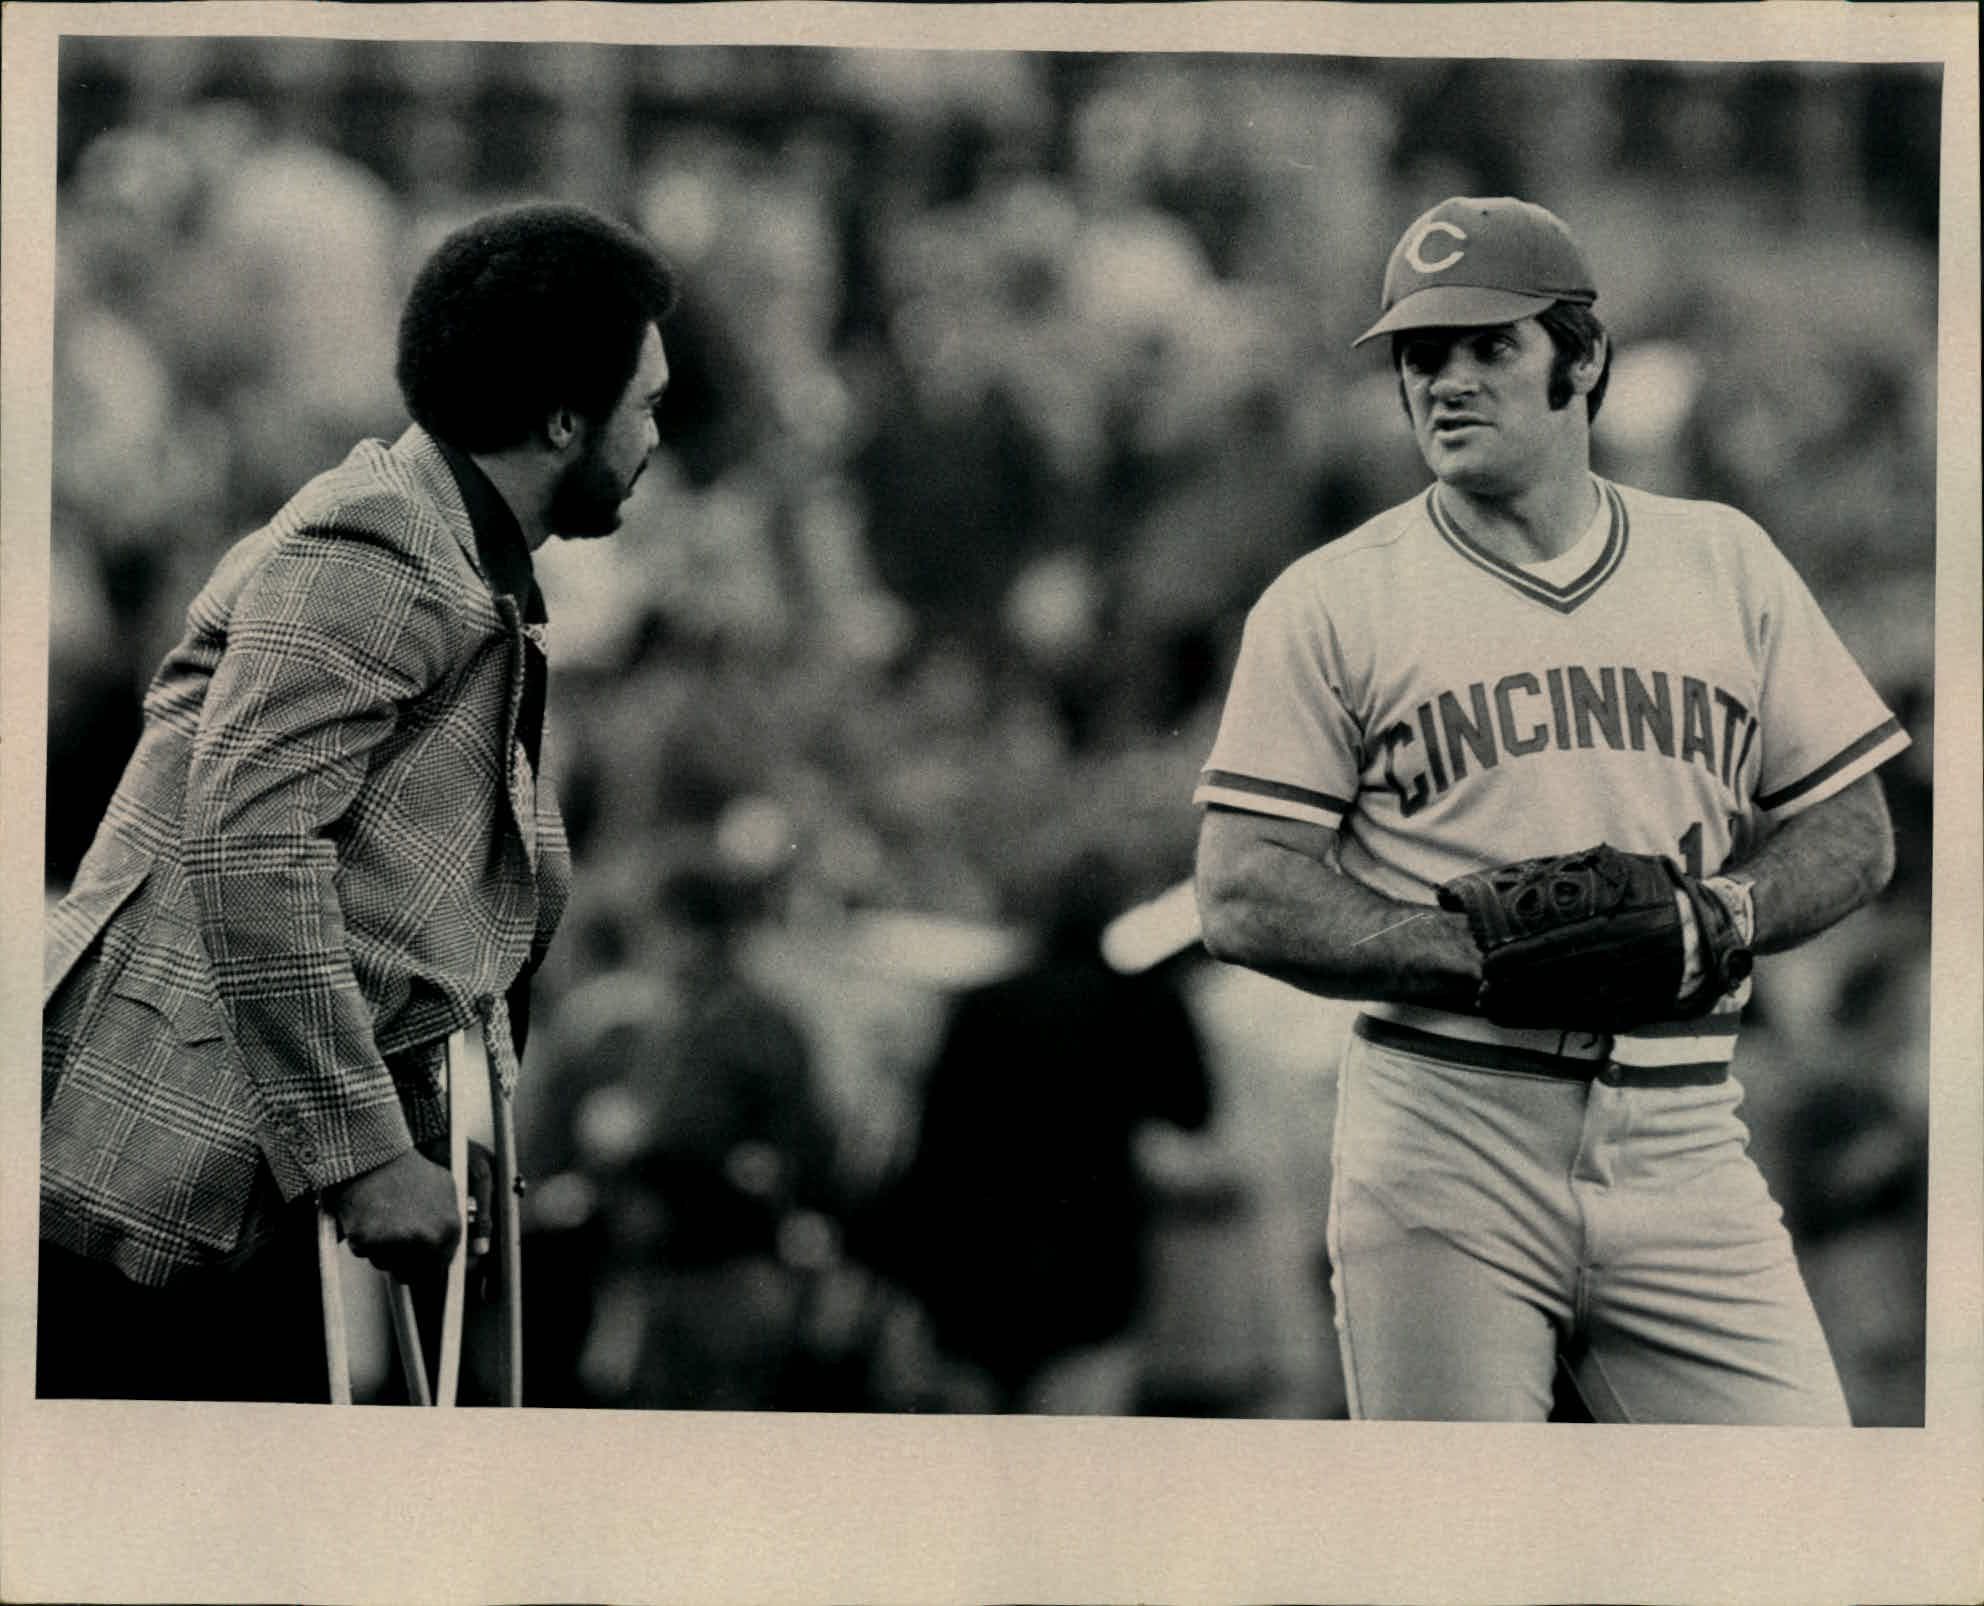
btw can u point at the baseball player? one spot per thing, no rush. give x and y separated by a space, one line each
1532 763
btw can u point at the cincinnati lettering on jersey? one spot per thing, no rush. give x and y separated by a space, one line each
1678 716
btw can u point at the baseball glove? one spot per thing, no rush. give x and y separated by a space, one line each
1595 941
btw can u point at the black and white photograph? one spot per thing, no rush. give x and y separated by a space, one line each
1002 801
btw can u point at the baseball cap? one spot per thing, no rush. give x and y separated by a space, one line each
1480 260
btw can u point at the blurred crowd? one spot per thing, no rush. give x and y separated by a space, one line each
1002 383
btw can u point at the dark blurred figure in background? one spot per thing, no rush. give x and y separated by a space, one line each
728 1220
1858 1206
1019 1221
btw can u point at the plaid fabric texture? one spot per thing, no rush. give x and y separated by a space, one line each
327 853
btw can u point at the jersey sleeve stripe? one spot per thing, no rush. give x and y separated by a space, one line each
1226 781
1231 781
1241 803
1264 797
1888 734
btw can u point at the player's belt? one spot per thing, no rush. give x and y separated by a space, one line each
1693 1053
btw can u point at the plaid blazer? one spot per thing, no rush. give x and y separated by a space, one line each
327 853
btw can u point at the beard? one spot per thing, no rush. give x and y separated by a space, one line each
586 500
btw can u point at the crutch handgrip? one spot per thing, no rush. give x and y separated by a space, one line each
506 1202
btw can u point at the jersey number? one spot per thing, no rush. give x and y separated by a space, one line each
1691 851
1691 846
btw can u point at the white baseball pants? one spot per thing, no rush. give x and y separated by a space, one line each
1486 1222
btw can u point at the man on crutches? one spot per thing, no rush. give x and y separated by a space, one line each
334 849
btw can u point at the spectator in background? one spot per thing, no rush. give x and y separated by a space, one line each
711 1298
293 315
1858 1203
1019 1222
1212 431
741 1138
138 464
92 713
955 483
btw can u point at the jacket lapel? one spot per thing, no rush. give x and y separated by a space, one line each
436 482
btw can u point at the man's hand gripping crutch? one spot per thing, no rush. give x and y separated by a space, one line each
406 1217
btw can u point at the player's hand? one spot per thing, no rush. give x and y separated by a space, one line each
401 1216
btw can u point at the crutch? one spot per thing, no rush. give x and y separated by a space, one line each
504 1204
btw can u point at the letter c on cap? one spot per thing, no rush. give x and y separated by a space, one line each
1413 251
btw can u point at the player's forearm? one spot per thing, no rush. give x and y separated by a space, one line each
1819 866
1272 908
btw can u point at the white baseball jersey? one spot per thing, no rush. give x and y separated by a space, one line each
1445 710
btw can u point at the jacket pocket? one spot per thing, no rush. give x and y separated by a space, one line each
149 1149
167 967
183 1000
